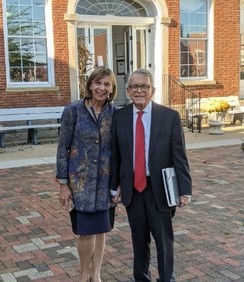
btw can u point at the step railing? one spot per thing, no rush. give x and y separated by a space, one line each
183 100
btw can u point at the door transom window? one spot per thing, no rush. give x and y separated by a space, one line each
125 8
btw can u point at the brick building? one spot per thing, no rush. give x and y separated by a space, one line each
49 47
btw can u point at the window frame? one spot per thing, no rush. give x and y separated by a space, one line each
50 52
209 54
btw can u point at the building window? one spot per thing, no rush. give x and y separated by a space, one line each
28 55
125 8
193 38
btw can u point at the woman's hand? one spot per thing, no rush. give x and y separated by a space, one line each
65 196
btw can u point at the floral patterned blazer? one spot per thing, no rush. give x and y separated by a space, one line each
84 155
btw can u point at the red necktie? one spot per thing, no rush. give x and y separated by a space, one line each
140 179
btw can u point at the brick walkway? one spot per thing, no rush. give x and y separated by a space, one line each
36 243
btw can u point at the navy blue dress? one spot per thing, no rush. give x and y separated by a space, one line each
89 223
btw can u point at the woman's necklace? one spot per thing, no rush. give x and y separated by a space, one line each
96 112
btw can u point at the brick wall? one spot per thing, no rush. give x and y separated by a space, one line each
227 46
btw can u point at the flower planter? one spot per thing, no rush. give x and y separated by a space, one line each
216 116
215 122
215 127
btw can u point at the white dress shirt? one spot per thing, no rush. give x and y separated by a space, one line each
146 120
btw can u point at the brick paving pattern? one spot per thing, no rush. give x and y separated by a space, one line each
36 242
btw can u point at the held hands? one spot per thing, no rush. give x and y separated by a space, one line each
117 198
184 200
65 197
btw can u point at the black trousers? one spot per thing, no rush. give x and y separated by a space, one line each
145 220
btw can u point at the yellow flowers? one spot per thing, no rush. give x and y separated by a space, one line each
216 106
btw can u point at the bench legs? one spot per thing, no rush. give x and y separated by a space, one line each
238 116
199 123
2 145
195 120
32 136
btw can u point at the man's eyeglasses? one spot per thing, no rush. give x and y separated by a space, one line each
143 87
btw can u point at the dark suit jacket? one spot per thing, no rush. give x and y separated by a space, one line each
166 149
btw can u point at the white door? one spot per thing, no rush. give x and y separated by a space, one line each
135 46
135 55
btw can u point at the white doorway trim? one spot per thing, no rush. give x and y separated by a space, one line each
113 20
158 42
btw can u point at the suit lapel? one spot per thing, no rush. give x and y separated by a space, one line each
128 121
155 126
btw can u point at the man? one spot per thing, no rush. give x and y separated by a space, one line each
143 195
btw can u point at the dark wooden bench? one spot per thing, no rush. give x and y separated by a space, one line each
33 118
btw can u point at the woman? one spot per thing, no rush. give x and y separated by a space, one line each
83 167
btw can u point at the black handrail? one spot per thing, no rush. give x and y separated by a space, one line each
183 100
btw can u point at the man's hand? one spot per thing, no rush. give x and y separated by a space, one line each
184 200
65 196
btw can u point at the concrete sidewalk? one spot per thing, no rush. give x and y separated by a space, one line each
44 153
36 242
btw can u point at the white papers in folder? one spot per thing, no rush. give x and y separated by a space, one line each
171 186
